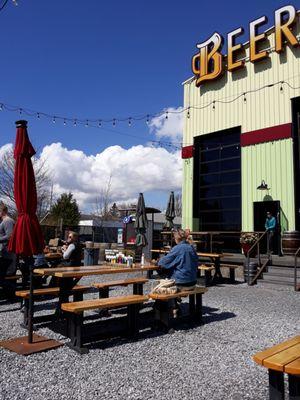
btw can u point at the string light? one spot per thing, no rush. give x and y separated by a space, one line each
87 123
162 114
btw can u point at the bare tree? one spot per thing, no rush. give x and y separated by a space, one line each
178 205
103 201
42 178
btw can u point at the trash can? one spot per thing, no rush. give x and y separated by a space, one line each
252 271
91 256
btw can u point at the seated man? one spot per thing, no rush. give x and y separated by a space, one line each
181 262
72 251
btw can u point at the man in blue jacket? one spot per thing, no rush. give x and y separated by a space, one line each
181 262
270 226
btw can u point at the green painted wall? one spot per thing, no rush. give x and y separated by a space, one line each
187 194
273 163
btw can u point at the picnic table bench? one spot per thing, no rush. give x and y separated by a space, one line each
280 359
77 293
104 287
74 312
208 268
164 303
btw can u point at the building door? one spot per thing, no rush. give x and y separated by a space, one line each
260 209
217 181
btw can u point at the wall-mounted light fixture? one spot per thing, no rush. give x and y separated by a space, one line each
263 186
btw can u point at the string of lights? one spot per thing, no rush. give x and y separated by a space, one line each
101 123
5 2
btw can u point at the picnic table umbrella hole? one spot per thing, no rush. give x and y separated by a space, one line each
27 238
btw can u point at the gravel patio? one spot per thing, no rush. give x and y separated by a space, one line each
212 361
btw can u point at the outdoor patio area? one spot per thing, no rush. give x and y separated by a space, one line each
211 361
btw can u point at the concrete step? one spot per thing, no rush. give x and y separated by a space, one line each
280 271
279 275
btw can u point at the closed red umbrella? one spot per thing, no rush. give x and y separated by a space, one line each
27 238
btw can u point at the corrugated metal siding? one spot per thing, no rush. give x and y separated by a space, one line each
262 109
271 162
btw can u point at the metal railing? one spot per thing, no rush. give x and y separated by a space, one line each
297 254
261 266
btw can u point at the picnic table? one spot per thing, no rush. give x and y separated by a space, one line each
279 359
214 257
68 277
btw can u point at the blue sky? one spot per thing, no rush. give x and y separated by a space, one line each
105 59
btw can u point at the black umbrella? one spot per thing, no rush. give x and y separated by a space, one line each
170 213
141 222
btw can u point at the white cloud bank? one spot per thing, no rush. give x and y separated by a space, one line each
171 127
139 168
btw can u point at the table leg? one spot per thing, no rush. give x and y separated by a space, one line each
218 275
276 385
294 387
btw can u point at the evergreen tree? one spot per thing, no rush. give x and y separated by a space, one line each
66 208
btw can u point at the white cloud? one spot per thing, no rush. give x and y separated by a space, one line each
171 127
140 168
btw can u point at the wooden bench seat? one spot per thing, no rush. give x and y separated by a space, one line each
13 277
208 267
24 294
74 312
164 306
77 293
104 287
279 359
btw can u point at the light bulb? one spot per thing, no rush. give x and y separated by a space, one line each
100 123
87 123
54 120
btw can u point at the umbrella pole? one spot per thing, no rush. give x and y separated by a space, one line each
30 310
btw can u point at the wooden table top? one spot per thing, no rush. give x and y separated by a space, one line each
284 357
77 272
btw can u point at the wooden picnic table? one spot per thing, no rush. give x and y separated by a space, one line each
68 277
53 256
279 359
215 258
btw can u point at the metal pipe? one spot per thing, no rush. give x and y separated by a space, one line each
30 306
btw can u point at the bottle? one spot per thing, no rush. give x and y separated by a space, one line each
143 260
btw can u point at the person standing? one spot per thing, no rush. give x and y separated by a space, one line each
270 226
7 259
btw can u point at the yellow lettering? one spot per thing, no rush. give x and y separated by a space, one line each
208 63
255 38
284 29
232 48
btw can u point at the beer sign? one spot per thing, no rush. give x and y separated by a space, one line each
208 64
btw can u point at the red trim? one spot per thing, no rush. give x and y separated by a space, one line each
266 135
187 152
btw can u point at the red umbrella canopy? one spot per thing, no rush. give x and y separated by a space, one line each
27 238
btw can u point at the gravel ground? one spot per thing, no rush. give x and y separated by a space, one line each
212 361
